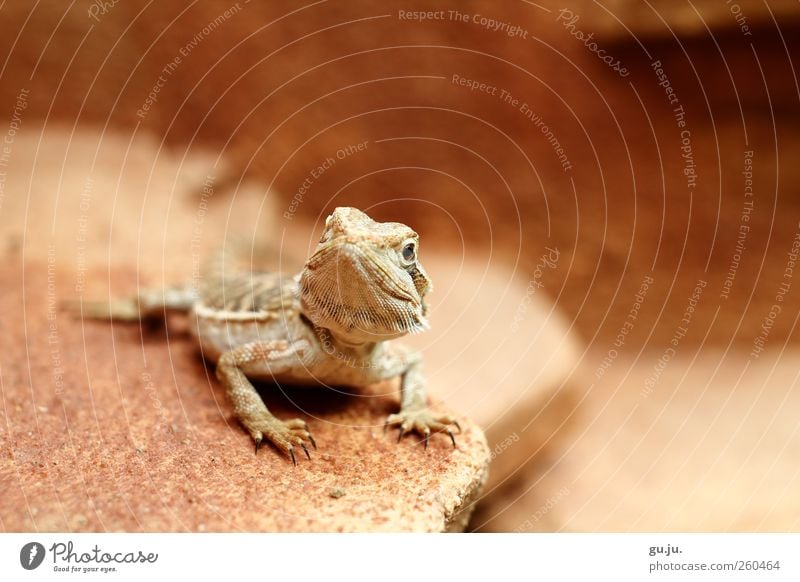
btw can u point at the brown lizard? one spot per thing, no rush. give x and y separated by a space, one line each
331 324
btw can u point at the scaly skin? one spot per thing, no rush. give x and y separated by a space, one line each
332 324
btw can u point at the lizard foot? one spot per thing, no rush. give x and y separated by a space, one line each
285 435
422 422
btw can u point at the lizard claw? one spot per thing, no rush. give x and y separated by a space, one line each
422 422
285 435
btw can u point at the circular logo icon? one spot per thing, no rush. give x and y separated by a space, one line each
31 555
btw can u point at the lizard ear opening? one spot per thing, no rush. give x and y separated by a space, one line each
422 284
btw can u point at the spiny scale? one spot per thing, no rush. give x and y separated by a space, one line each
253 296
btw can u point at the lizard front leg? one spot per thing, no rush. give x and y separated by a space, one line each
278 356
414 415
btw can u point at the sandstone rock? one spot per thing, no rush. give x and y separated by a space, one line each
117 428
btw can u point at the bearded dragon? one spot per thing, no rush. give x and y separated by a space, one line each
332 324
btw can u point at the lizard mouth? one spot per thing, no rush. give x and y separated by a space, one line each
360 291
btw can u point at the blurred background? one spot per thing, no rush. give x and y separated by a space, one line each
607 195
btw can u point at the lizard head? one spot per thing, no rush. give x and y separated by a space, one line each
364 282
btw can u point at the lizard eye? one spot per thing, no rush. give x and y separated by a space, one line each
409 252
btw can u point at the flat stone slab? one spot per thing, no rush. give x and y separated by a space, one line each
520 355
707 448
117 428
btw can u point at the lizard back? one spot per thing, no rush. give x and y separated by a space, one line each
244 308
250 294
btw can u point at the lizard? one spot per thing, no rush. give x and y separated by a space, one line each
333 324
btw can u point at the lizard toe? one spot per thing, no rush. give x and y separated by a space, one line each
284 436
424 423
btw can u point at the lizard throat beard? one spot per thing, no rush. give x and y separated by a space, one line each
360 295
